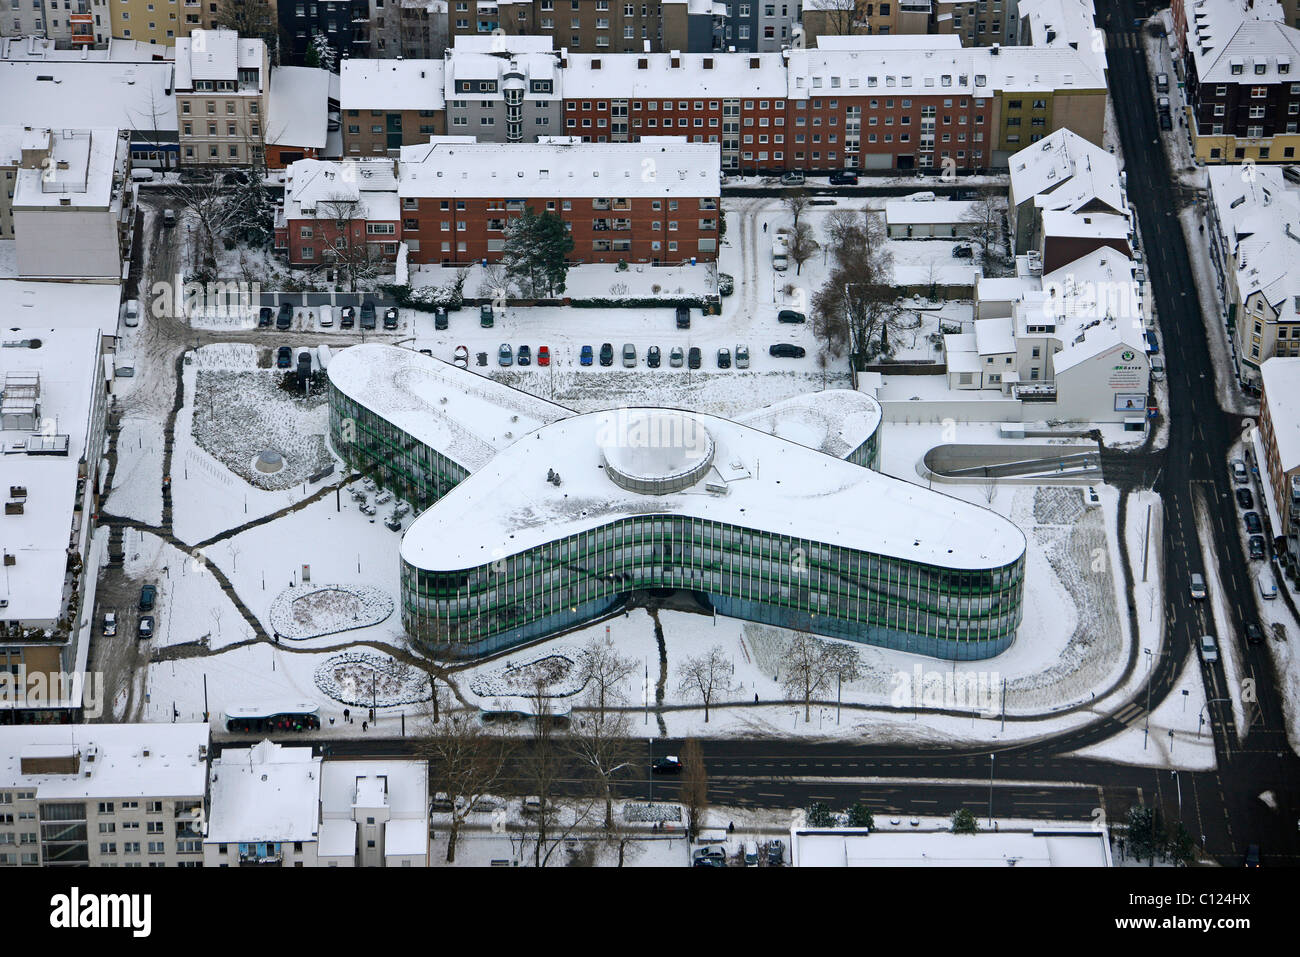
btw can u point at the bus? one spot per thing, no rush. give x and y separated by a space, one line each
276 717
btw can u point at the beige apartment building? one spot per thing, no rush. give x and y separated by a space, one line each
222 82
589 26
864 17
159 21
102 795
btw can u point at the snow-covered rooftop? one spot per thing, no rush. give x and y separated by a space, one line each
114 50
1091 225
391 84
115 760
676 169
80 172
1058 847
1241 41
904 212
67 363
297 111
264 793
463 415
1064 171
83 95
1258 210
754 480
217 55
1281 378
697 74
327 189
1064 24
63 305
836 421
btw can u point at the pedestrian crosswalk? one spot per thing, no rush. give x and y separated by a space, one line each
1129 714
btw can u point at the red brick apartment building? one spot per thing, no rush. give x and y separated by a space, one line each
451 200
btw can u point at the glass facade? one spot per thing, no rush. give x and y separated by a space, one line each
741 572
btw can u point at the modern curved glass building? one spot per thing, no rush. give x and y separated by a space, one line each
530 533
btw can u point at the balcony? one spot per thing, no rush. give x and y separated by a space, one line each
1035 392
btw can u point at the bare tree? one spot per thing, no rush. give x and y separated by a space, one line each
465 763
842 16
809 665
249 18
214 216
601 741
552 822
603 670
990 487
796 203
983 221
347 252
695 786
706 676
800 245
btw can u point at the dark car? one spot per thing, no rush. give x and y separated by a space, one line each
775 853
652 357
1153 344
347 317
844 178
1165 122
606 354
683 317
1254 633
440 317
789 315
265 316
485 317
283 357
584 357
390 318
962 251
704 860
525 356
724 358
1245 499
1252 856
784 350
1256 546
666 765
285 318
693 358
144 627
148 594
368 315
1253 525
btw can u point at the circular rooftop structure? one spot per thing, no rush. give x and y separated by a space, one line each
655 451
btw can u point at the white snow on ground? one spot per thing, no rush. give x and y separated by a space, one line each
314 610
137 482
365 679
592 280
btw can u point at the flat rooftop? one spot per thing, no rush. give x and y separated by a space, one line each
174 764
836 421
1064 847
264 793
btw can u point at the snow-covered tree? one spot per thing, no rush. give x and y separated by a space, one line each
536 254
325 55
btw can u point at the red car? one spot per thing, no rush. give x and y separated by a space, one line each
543 355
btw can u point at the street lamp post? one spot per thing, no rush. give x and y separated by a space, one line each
993 760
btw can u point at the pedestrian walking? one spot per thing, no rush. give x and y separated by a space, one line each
755 697
765 227
363 726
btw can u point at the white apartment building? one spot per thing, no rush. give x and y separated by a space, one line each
374 814
102 795
222 87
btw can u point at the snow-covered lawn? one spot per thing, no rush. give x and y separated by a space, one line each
314 610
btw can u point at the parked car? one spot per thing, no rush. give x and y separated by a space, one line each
693 358
461 358
844 178
110 624
505 355
347 317
1153 344
1239 474
707 860
525 356
724 358
1254 633
606 354
1252 856
285 317
368 314
440 318
1209 650
485 315
283 357
1256 546
1253 525
676 357
629 356
1166 121
144 627
775 853
793 178
543 355
1162 104
326 319
683 317
652 357
169 217
1162 82
790 315
784 350
751 854
265 316
1198 585
963 251
669 764
131 315
390 318
742 357
585 356
1245 499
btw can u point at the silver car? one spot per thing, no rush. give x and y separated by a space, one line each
1209 650
629 356
742 357
676 357
505 355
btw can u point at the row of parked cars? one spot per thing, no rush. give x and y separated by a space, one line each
324 316
677 356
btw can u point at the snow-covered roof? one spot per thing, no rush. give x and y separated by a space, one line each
1281 379
34 305
465 416
80 173
734 474
311 185
337 838
677 169
995 337
297 111
406 838
836 421
1241 41
1063 24
110 761
67 363
391 84
217 55
502 43
264 793
114 50
1091 225
904 212
401 786
481 62
1043 847
884 41
1064 171
82 95
622 75
1094 303
1258 211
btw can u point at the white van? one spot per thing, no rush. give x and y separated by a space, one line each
326 317
1267 584
142 175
